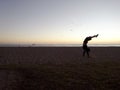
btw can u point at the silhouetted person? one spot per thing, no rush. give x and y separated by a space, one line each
85 47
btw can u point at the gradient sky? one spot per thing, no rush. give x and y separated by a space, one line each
59 21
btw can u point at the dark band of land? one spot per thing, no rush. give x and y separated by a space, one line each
59 68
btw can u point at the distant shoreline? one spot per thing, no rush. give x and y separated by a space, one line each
58 45
76 45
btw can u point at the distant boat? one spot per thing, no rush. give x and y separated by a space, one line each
33 44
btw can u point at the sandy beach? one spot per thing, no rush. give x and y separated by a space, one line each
59 68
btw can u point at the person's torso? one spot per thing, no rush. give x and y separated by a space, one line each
86 40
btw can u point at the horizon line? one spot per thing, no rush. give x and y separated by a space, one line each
58 45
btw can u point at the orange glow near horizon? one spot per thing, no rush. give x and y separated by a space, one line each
68 40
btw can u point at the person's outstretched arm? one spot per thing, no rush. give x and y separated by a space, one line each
94 36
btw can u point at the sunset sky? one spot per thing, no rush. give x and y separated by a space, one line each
59 21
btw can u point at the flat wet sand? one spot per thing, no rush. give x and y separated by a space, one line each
59 68
55 55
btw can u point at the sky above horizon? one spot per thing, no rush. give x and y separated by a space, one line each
59 21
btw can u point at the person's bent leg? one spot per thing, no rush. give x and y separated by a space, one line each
88 50
88 54
84 53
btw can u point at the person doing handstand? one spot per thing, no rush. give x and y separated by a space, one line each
85 47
